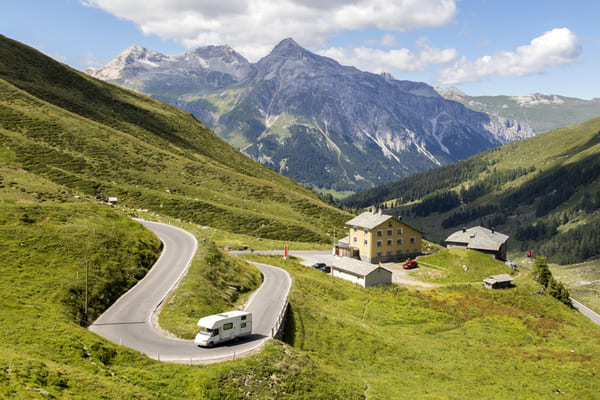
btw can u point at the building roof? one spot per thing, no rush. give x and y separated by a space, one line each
345 240
369 220
498 279
356 267
479 238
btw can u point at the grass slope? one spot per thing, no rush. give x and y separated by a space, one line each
458 341
98 139
543 191
45 353
458 266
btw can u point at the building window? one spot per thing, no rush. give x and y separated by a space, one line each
398 251
390 232
399 231
389 253
389 242
354 239
365 242
379 254
355 229
380 233
399 241
413 240
379 243
366 231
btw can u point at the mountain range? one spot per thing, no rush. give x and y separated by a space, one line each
540 111
312 119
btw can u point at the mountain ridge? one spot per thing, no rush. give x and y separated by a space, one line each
543 112
324 124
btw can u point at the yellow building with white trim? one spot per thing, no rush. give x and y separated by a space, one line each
375 237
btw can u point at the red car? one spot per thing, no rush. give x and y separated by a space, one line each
410 265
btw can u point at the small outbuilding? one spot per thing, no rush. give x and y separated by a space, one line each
112 200
478 238
361 273
343 249
498 281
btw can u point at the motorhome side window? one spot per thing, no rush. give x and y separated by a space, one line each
243 317
227 326
243 324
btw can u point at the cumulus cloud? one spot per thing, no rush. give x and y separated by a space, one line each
557 47
377 61
253 27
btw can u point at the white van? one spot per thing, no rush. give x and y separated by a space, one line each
219 328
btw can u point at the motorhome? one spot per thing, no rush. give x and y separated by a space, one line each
220 328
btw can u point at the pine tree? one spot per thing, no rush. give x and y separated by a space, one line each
541 272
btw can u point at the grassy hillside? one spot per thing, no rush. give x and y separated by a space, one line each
342 341
95 139
544 192
458 266
457 341
45 353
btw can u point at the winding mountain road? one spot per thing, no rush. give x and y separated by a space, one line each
131 320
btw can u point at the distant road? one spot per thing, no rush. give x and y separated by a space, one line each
586 311
129 321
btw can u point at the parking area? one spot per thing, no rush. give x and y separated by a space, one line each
399 275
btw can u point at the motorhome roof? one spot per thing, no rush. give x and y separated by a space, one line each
210 320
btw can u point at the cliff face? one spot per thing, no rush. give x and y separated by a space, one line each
312 119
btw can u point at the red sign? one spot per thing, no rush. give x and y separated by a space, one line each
529 253
286 251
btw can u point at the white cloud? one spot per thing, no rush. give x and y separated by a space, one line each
557 47
377 61
254 26
389 40
90 61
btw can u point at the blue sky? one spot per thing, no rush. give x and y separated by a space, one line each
483 47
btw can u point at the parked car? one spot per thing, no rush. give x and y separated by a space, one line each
410 265
318 265
326 269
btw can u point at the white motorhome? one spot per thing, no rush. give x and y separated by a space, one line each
219 328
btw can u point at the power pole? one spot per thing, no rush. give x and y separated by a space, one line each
87 273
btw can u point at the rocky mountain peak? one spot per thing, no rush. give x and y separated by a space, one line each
387 76
214 58
134 57
288 47
451 93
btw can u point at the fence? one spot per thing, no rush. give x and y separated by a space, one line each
278 328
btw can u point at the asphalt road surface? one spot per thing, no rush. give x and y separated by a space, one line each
130 321
586 311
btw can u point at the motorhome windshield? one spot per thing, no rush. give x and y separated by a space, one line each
206 331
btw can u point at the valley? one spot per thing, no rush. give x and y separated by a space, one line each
546 200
